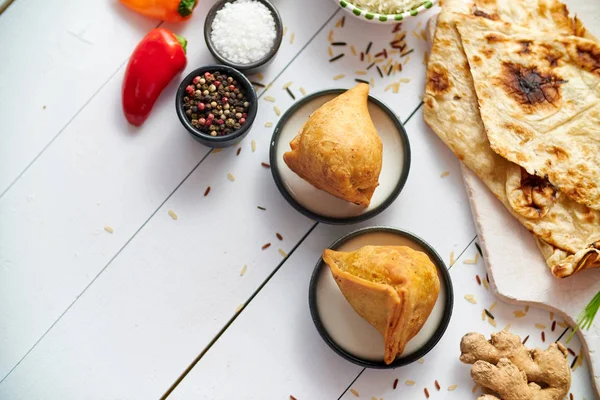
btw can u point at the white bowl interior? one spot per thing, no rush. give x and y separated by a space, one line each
347 328
321 202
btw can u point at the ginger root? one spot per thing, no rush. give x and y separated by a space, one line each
514 372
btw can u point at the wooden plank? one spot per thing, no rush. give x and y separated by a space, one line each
287 348
467 318
67 52
101 172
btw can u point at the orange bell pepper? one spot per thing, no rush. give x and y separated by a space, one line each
165 10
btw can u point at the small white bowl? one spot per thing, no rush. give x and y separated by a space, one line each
384 18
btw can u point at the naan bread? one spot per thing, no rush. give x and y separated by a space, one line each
394 288
568 233
338 149
539 98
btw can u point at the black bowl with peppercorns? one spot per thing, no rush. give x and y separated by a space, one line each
217 104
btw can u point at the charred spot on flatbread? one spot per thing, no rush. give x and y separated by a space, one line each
531 88
493 38
438 81
480 13
588 56
525 46
529 195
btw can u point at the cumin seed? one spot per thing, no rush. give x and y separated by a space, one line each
266 246
207 191
336 57
264 164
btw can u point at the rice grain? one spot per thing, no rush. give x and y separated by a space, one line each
173 215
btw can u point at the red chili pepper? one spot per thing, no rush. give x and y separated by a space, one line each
154 62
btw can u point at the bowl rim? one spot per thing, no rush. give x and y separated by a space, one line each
210 16
401 361
323 218
250 94
384 18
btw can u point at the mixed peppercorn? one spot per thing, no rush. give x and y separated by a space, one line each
215 104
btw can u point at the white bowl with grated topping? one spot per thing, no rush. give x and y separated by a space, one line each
385 11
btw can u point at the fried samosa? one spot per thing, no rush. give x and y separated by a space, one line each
394 288
338 149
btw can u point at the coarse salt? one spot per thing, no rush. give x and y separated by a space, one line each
243 31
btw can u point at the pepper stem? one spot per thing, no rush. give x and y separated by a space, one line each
186 7
182 41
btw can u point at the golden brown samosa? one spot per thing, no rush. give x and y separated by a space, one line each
338 149
394 288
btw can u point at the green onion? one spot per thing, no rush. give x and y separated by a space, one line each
585 319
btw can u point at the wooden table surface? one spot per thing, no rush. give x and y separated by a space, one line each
160 307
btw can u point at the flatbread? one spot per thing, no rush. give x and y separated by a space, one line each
568 233
539 98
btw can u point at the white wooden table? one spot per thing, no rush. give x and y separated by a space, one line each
159 307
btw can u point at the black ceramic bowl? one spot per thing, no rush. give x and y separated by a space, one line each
395 134
204 138
252 67
445 283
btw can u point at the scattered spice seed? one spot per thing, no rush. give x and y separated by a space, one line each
426 392
173 215
452 387
338 43
238 151
525 340
473 261
290 93
261 208
109 229
493 306
284 30
562 325
372 82
479 249
452 260
279 236
338 77
215 151
437 385
543 337
409 383
354 392
399 67
395 383
379 71
269 98
368 47
380 54
336 57
330 37
343 20
260 76
397 27
207 191
266 246
421 360
368 57
553 326
283 253
292 397
507 327
470 298
277 110
292 38
483 315
243 271
406 53
260 85
406 60
571 396
390 70
492 322
353 50
239 308
485 285
551 316
362 56
268 124
253 143
360 72
287 85
571 351
303 91
330 51
540 326
489 314
339 23
264 164
370 65
478 280
231 177
526 307
361 81
574 361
